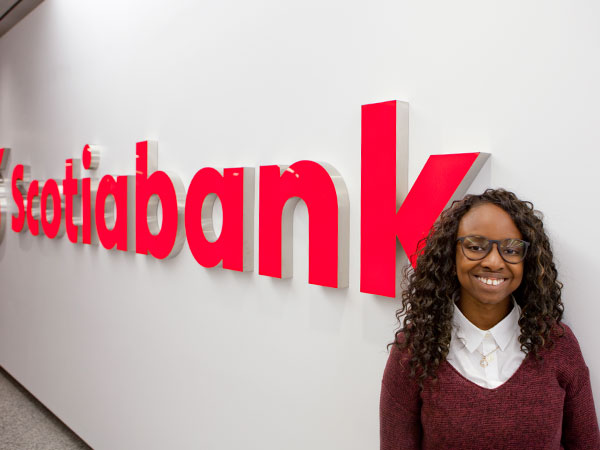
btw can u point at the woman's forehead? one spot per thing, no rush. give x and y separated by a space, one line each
490 221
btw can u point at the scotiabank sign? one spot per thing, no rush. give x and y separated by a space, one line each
121 212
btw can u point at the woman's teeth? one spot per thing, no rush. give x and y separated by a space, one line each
491 281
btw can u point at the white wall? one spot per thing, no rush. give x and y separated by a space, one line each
136 353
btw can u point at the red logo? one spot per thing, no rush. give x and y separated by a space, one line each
122 212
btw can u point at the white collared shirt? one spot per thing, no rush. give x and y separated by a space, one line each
469 342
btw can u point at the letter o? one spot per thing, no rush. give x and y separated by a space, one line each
51 228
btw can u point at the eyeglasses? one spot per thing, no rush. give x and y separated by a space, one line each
475 248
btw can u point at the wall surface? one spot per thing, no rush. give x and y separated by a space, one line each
132 352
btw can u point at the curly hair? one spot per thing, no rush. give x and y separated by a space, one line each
432 288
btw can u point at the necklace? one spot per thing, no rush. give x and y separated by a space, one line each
484 362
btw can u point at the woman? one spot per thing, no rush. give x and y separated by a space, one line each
482 360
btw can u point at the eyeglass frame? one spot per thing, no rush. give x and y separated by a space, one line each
492 242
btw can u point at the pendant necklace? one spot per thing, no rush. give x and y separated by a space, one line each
484 362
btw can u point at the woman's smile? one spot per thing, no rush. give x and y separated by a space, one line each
491 281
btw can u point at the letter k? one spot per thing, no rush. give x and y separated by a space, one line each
443 179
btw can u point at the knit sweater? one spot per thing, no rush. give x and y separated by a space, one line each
545 405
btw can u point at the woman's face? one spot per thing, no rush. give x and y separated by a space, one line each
490 280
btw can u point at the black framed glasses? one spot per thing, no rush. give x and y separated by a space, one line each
512 251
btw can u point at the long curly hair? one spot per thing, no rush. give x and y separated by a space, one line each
431 290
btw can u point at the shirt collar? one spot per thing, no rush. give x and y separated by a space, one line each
502 332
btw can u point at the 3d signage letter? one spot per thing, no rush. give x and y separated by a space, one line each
234 248
384 175
152 186
20 178
71 191
324 192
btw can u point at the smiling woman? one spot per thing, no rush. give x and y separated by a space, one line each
482 359
487 278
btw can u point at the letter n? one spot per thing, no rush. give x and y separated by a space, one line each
324 192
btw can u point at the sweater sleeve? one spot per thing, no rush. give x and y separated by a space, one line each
399 407
580 424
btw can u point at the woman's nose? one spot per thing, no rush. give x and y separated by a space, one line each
493 259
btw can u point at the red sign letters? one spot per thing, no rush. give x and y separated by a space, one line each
122 212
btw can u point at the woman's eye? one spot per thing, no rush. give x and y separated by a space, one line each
510 251
475 248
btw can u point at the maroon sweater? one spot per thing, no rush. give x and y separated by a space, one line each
545 405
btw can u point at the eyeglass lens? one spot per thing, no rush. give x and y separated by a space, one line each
477 247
